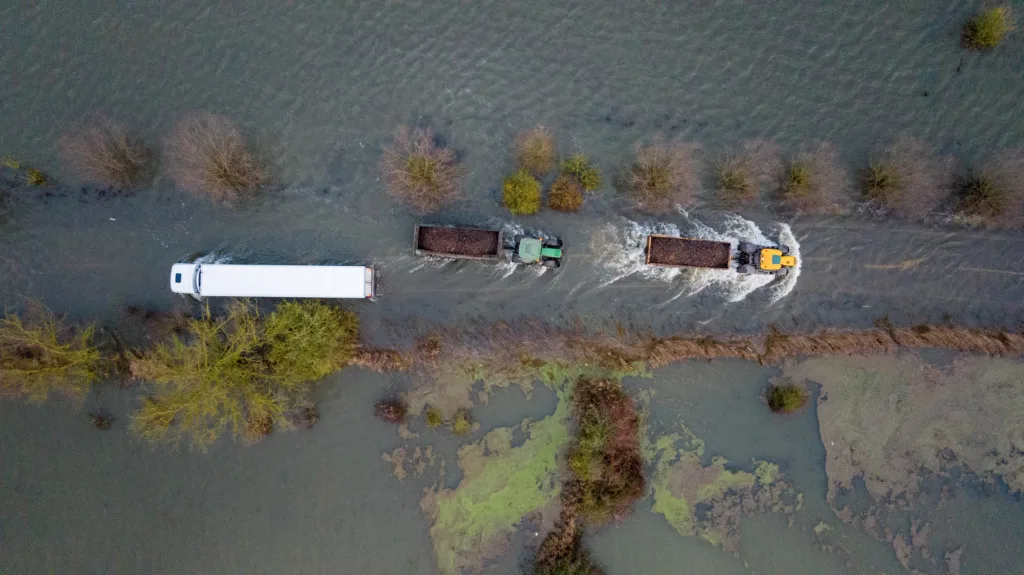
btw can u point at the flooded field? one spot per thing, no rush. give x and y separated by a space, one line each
902 462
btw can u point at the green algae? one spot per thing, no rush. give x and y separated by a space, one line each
682 482
500 485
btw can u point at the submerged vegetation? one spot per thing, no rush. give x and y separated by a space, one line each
391 410
987 30
994 194
565 195
578 166
100 151
535 151
421 172
40 355
241 373
815 182
207 155
742 177
521 193
663 175
908 179
786 398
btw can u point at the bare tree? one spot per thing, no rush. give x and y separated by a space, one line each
420 172
206 155
99 150
815 182
908 178
663 174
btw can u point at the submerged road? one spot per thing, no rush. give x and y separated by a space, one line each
90 259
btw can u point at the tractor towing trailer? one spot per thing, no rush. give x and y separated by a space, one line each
670 251
227 280
479 244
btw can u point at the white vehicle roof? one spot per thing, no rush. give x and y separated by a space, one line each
272 281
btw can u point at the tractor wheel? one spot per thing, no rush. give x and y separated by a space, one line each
784 249
782 273
553 243
516 259
518 238
748 248
552 263
747 269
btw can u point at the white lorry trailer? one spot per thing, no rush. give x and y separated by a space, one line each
222 280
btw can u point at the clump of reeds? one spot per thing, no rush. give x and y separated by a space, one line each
562 552
535 151
241 373
100 151
207 155
994 194
742 177
101 419
815 182
578 166
988 29
433 417
41 355
565 195
463 422
520 193
786 398
421 172
392 410
663 175
908 178
604 458
32 176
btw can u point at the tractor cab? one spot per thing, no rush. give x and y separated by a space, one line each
764 259
546 251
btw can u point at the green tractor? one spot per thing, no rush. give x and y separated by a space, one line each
530 250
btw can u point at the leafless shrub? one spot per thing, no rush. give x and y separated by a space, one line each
994 194
815 182
663 175
420 172
535 151
100 151
741 177
206 155
908 178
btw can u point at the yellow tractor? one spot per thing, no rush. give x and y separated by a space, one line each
765 259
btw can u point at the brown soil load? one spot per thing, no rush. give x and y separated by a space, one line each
458 241
667 251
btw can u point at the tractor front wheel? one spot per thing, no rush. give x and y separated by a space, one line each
553 243
784 249
552 263
782 273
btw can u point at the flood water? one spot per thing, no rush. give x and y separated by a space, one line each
319 87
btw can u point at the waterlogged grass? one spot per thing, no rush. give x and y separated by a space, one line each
500 485
681 483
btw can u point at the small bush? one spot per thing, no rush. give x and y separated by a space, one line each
578 166
463 422
908 179
987 30
392 410
207 155
521 193
743 176
240 373
815 182
36 177
42 355
433 417
786 398
663 175
535 151
101 419
604 458
565 195
994 194
420 172
101 152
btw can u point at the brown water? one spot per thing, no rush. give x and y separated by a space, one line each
319 87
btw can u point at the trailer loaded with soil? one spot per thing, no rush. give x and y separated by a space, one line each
479 244
674 252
